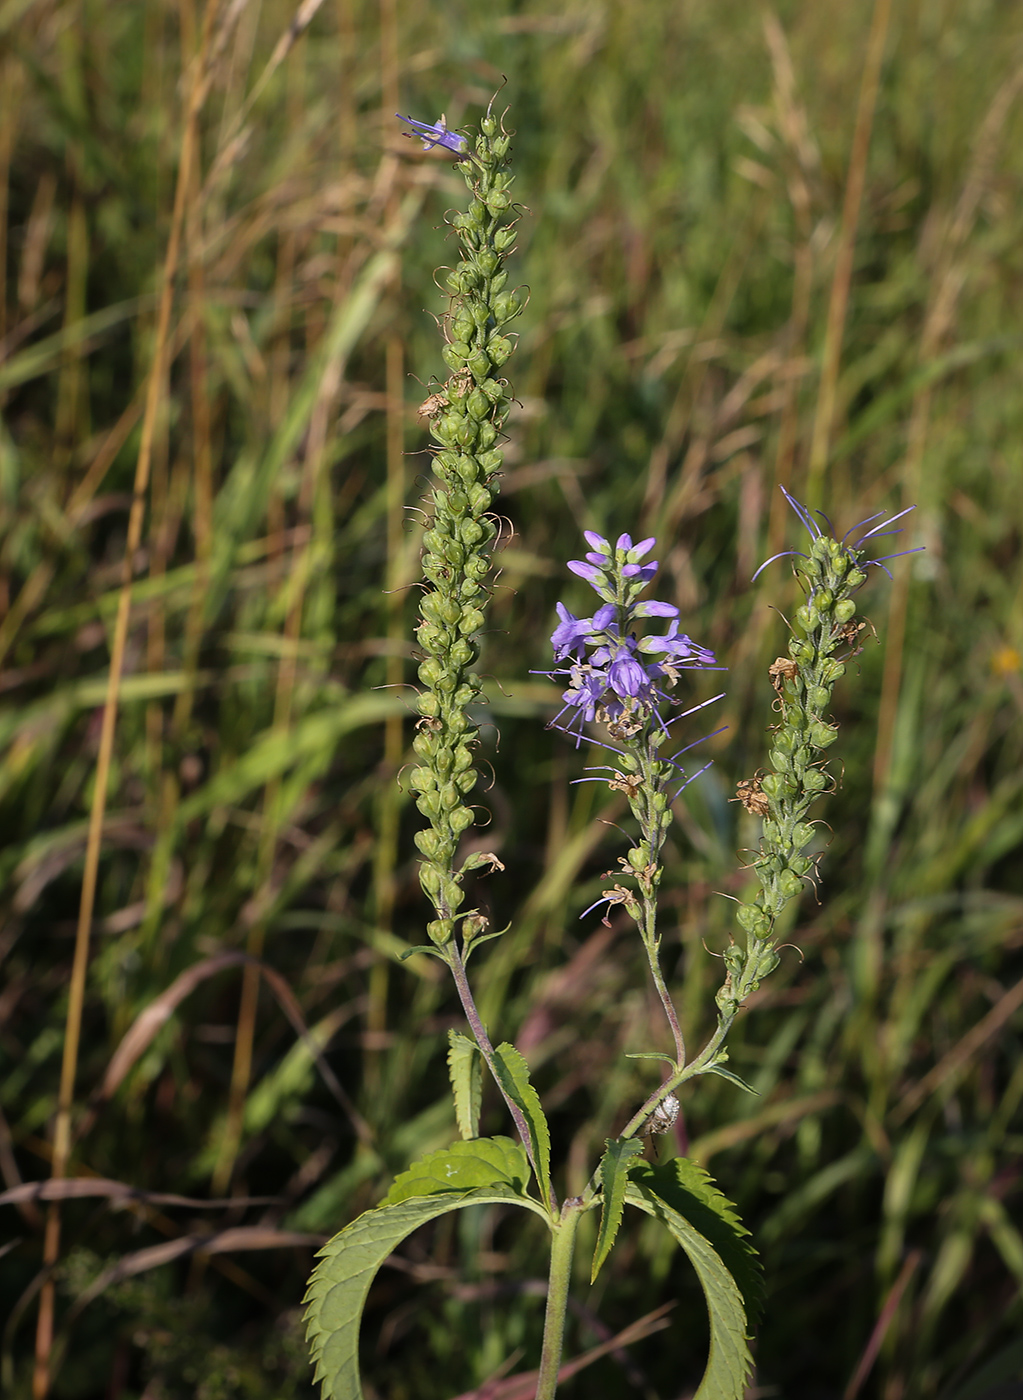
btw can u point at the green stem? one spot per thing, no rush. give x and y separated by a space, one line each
457 965
666 1002
562 1246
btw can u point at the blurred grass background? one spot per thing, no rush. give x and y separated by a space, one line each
764 246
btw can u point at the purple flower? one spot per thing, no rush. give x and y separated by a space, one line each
654 609
625 675
593 574
614 683
854 551
570 634
584 693
680 651
437 134
599 543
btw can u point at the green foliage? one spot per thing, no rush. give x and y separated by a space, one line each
687 1188
465 1068
341 1281
464 1166
615 1165
729 1362
513 1076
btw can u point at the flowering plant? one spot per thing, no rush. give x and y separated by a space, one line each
627 685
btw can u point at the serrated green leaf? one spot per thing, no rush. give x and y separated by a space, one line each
513 1075
690 1190
465 1066
729 1362
465 1166
348 1264
614 1176
733 1078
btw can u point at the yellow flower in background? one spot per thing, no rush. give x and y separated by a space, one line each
1006 661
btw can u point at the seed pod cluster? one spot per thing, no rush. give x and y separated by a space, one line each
804 683
465 425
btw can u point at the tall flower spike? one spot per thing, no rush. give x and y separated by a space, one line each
623 680
456 546
829 573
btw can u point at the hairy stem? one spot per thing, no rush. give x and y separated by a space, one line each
562 1246
653 958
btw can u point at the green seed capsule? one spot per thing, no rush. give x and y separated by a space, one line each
789 884
499 348
441 931
822 735
845 610
477 405
802 833
456 353
753 920
428 842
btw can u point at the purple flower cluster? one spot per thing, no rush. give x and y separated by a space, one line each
610 679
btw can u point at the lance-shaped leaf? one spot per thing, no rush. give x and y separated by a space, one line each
465 1067
731 1076
681 1196
465 1166
614 1177
513 1075
348 1264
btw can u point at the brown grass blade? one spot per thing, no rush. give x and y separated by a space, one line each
523 1386
78 1188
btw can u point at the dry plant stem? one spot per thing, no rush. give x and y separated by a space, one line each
11 79
948 284
793 125
882 1325
388 819
394 740
76 991
272 817
839 301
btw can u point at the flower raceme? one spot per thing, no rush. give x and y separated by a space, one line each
612 675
